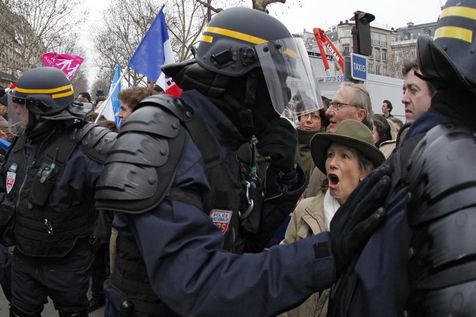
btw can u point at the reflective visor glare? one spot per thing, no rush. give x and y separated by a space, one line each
17 115
288 74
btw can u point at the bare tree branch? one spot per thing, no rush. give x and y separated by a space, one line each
262 4
116 42
209 6
43 25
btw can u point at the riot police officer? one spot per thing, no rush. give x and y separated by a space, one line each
174 181
48 179
422 261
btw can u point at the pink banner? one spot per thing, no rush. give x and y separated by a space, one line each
69 64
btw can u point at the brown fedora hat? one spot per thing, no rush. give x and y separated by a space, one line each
351 133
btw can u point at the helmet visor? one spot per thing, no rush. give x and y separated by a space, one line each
288 74
17 115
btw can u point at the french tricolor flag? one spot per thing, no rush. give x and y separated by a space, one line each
154 51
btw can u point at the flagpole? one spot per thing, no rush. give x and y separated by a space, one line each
111 91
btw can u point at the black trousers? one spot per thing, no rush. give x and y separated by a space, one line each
5 272
64 280
100 270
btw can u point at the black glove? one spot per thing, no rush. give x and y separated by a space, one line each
359 217
279 141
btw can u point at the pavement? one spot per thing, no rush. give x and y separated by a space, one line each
48 311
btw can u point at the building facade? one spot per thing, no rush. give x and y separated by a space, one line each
381 39
390 47
404 45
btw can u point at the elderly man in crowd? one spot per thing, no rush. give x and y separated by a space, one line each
351 101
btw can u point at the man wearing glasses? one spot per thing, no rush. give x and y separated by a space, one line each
352 101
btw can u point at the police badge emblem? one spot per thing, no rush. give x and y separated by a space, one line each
221 219
11 176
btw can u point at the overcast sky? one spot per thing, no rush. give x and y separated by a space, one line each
307 14
298 15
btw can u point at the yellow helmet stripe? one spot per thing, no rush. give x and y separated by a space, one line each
463 12
206 38
454 33
289 52
44 91
63 94
236 35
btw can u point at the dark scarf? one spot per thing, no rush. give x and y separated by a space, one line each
44 129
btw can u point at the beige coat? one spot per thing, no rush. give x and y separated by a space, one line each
308 219
387 147
317 183
315 178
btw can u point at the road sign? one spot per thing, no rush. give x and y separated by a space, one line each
358 67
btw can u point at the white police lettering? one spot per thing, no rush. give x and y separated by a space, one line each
221 218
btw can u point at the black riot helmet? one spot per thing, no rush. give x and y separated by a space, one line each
450 58
45 92
238 41
228 42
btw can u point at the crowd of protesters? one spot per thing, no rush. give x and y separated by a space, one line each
172 212
320 200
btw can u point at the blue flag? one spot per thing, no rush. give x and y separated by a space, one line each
149 55
116 89
112 104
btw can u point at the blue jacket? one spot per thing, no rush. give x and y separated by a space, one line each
190 272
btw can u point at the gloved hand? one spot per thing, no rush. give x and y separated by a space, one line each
279 142
359 217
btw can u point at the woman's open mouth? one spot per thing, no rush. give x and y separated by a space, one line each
333 180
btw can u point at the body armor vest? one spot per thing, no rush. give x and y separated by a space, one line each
42 230
226 194
442 217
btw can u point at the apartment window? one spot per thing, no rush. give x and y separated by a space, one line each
345 41
376 53
374 38
345 33
383 40
384 55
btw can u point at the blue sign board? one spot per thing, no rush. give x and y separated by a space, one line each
358 67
